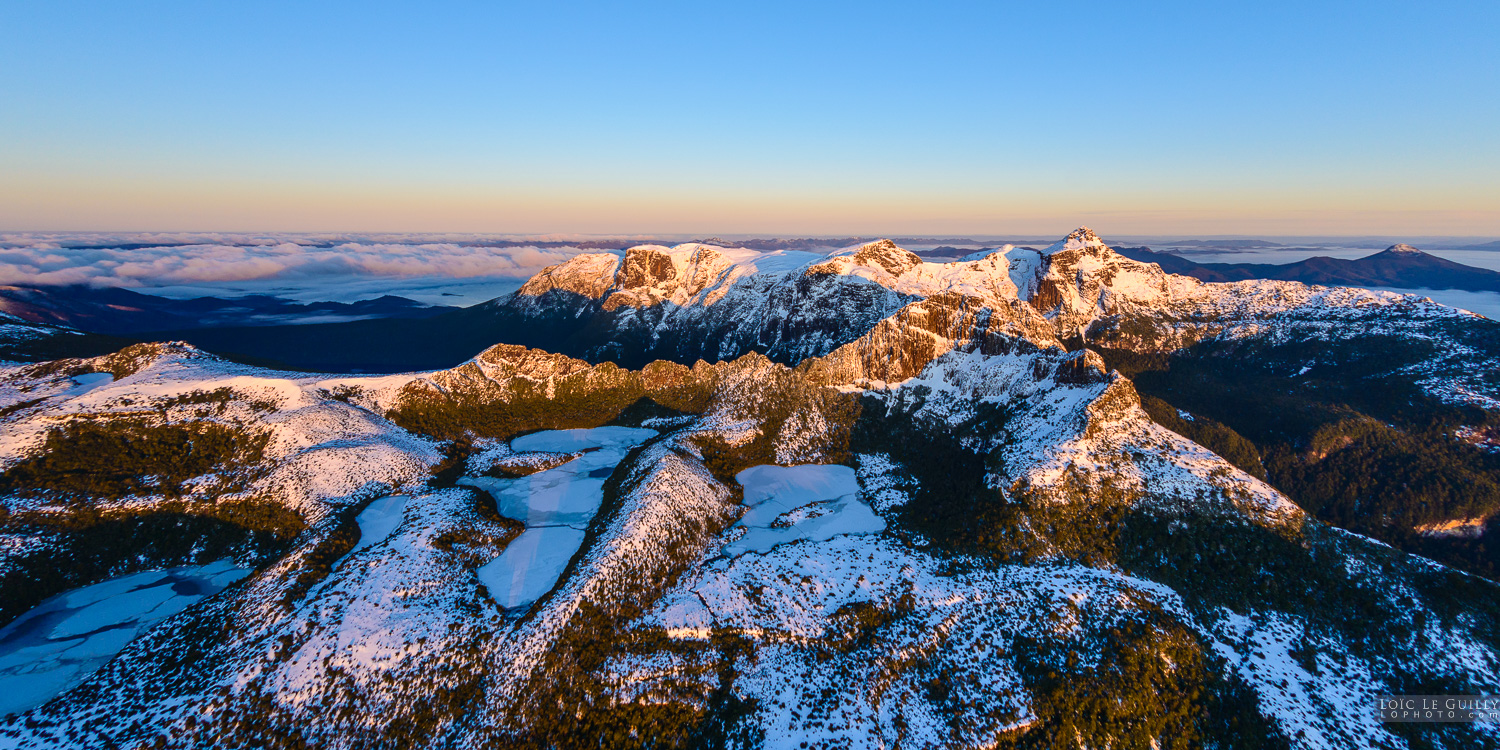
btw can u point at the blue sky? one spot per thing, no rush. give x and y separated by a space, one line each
1209 118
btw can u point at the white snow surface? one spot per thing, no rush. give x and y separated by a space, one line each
750 300
799 594
322 453
1058 431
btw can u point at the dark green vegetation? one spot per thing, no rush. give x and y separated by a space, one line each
950 501
1157 683
570 707
645 408
784 394
1364 475
450 418
1130 698
317 561
953 505
19 406
1155 686
586 399
85 459
218 398
1340 430
1228 444
1305 572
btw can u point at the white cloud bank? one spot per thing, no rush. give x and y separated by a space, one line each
455 270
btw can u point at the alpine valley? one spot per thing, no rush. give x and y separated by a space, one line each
710 496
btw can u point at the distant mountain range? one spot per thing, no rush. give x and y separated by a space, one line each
1400 266
123 312
392 334
771 303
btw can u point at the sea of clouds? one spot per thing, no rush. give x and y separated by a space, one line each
448 269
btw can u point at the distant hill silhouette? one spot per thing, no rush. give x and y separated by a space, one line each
1397 266
124 312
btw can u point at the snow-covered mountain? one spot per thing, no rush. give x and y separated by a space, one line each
711 302
859 500
706 302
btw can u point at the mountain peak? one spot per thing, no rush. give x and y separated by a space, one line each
888 255
1083 235
1403 248
1079 239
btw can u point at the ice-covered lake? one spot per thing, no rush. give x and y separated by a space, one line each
379 520
556 505
63 640
795 503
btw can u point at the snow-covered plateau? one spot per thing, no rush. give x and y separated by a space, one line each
778 500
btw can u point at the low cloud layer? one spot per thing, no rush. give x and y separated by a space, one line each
306 267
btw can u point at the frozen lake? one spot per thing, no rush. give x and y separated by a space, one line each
379 520
66 638
796 503
556 505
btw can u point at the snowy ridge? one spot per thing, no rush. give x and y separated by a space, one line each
671 507
797 600
1067 418
321 450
